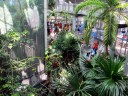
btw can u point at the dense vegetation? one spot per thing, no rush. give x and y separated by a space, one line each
69 73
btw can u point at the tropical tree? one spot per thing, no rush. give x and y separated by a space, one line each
108 11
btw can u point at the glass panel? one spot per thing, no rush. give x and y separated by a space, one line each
21 16
27 18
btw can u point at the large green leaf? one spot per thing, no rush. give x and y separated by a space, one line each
73 83
114 83
124 5
110 29
89 3
108 14
88 29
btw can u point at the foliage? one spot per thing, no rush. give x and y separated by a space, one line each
4 86
52 58
67 43
51 3
26 90
90 68
107 11
103 76
10 68
71 83
113 81
15 38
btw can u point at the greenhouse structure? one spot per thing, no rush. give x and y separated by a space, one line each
63 47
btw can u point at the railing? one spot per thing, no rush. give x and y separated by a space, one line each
68 7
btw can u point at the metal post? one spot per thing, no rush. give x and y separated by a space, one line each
45 24
74 23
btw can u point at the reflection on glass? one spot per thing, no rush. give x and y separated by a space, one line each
32 16
6 22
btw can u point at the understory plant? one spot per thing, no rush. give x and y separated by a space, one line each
10 69
71 83
103 76
67 44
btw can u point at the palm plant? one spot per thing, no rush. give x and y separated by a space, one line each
67 44
107 11
103 76
91 69
112 81
71 83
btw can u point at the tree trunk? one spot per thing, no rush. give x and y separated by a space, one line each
106 49
113 50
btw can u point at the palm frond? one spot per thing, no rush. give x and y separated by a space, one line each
91 20
115 82
110 29
89 3
124 16
110 66
95 12
111 88
88 29
91 68
72 84
122 6
112 3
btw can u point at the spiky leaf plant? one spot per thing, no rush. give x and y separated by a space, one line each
67 43
71 83
91 69
112 81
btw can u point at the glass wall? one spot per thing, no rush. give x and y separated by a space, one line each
25 17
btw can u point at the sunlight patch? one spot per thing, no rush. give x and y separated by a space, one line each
6 22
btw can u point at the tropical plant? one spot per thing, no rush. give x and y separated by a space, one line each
27 91
111 81
107 75
91 69
108 11
103 76
4 58
67 44
52 58
10 78
71 83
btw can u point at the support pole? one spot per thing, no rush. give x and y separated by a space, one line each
74 23
45 24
